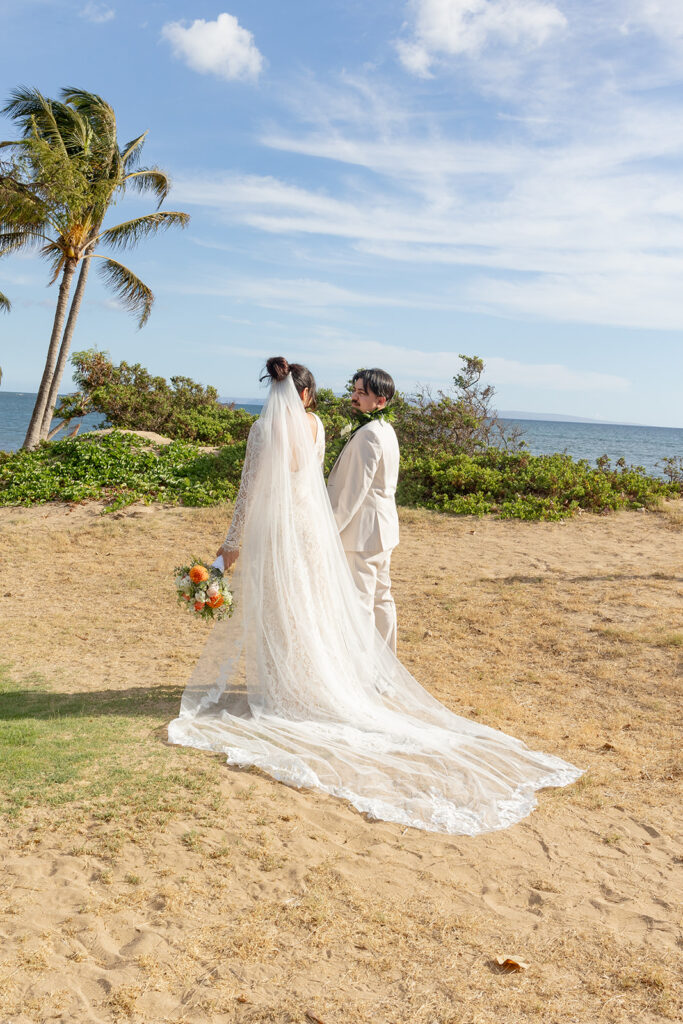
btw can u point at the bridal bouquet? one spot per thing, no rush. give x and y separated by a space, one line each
204 590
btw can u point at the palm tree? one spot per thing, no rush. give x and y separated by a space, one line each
67 171
5 306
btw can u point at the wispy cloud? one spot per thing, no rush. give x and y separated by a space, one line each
591 228
441 29
98 13
661 18
551 377
221 47
567 207
334 353
308 296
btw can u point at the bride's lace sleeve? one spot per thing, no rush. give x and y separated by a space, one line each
320 441
251 460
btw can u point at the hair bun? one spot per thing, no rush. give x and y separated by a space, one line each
277 367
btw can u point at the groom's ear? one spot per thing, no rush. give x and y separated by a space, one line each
381 401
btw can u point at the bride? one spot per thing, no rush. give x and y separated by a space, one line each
299 684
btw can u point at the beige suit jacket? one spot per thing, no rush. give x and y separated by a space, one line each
362 489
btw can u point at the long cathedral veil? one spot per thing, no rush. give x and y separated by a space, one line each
299 684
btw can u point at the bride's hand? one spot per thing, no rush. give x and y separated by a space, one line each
229 557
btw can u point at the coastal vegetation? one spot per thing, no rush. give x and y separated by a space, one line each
65 172
130 397
449 461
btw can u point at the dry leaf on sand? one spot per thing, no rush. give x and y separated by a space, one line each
513 963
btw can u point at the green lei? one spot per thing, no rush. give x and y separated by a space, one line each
386 412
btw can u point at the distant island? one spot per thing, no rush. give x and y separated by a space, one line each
504 414
240 402
516 414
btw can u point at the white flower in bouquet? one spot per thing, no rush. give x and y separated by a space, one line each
203 591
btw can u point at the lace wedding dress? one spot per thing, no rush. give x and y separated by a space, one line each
298 684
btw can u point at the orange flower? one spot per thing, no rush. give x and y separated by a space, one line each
198 605
215 602
198 574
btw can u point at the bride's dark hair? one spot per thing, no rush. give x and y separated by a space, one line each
277 368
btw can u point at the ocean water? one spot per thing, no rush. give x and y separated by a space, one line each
639 446
15 415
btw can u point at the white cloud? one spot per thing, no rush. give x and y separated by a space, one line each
333 353
663 18
452 28
590 229
308 296
551 377
569 212
635 300
221 47
98 13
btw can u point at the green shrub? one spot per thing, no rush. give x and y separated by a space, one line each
455 455
517 485
130 397
120 469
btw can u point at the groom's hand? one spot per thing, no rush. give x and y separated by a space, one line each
229 557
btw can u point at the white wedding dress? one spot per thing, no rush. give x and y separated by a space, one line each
296 684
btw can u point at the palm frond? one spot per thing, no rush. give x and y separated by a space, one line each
132 293
99 116
132 151
149 179
5 305
23 238
23 103
35 113
54 255
19 204
80 127
94 109
129 233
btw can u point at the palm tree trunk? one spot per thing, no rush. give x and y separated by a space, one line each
34 430
64 349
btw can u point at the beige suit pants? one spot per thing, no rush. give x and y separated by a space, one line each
371 574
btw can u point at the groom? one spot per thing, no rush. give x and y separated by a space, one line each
362 486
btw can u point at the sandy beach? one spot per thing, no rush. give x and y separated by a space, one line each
149 883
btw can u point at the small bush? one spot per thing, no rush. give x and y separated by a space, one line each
120 469
130 397
517 485
455 454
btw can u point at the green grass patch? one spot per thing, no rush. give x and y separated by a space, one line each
101 750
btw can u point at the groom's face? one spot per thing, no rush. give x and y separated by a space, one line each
365 400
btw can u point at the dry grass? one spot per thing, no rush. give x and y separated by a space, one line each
152 883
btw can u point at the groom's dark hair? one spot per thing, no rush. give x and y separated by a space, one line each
377 381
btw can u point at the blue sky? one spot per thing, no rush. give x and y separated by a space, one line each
386 183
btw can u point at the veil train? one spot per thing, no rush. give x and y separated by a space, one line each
296 684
